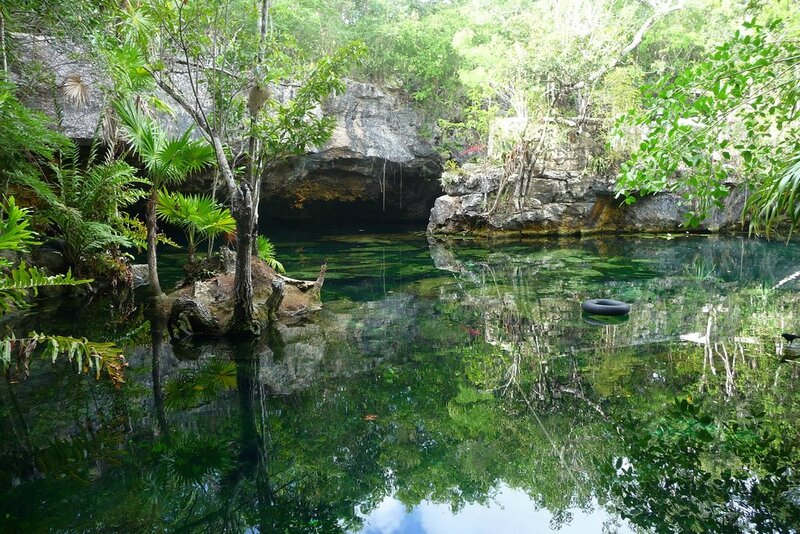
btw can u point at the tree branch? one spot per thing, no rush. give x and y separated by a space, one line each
660 12
200 120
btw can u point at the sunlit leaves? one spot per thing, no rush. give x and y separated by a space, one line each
26 139
15 234
731 118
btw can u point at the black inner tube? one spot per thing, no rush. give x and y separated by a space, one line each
605 307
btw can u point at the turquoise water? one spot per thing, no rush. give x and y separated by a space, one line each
444 387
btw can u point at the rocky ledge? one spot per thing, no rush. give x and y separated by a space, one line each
378 164
562 202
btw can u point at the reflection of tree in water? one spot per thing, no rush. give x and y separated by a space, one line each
536 400
727 461
252 482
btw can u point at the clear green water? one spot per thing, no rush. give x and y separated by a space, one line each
444 388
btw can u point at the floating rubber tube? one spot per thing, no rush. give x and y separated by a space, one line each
605 307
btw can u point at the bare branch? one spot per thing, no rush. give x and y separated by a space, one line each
661 10
220 70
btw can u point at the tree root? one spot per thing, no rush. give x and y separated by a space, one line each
188 317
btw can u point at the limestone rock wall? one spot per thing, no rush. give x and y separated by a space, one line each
377 165
570 193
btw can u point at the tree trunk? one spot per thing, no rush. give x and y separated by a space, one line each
242 321
3 44
152 262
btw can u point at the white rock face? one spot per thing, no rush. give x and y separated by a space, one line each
376 165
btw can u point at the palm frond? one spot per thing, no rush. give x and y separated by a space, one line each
200 213
142 133
182 156
75 90
127 65
109 127
196 215
266 251
776 202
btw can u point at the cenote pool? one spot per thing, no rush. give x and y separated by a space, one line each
444 387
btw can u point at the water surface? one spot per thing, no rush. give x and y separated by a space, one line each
445 387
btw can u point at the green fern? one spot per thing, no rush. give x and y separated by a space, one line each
88 356
18 283
83 205
15 234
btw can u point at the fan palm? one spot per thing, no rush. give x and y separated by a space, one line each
266 251
199 216
167 160
776 202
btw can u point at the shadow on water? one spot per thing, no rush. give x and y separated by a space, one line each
443 387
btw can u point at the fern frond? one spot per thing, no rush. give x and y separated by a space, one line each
88 356
18 283
14 232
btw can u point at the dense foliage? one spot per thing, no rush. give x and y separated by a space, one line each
733 114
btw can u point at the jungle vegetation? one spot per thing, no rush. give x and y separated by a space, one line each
702 93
